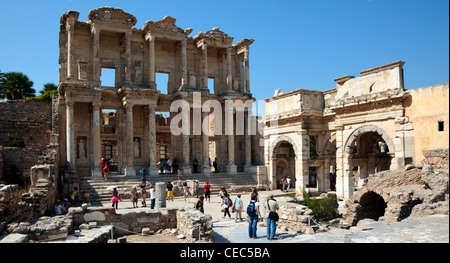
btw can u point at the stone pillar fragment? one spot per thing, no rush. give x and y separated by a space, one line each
160 189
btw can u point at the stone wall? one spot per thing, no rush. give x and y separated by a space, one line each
193 225
395 195
34 204
21 158
30 121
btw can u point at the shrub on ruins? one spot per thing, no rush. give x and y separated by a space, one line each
323 207
50 90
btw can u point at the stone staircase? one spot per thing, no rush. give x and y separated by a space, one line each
98 192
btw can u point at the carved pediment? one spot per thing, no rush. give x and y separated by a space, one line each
166 25
215 35
112 15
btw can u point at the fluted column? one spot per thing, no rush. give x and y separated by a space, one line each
96 140
70 136
129 169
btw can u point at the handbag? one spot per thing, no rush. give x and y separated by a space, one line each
272 215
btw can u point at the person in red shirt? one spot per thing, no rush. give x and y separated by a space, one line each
207 188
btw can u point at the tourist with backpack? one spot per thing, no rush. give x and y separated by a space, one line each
271 207
227 203
253 214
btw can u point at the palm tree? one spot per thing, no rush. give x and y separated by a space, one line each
15 86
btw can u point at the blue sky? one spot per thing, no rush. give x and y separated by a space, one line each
298 44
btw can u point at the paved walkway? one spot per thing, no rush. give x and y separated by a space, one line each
431 229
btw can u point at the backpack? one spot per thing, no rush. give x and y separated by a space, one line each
229 203
251 209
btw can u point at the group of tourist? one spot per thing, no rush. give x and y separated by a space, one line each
253 211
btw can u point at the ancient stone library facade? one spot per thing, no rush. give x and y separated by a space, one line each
330 140
122 122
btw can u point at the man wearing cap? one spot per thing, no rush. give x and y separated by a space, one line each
271 205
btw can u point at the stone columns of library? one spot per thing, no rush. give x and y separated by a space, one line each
70 136
184 76
96 52
206 169
128 57
248 141
205 66
186 158
151 41
247 71
129 169
229 69
229 118
70 27
96 140
152 169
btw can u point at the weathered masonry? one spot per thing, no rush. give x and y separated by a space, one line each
121 121
335 139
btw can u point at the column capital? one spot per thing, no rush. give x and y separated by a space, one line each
96 104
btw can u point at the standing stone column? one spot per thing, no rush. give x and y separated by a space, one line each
184 76
247 71
70 136
186 158
248 141
206 169
229 69
152 169
70 27
205 66
151 41
128 57
96 140
231 166
96 53
160 189
129 169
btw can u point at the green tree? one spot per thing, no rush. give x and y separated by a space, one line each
48 87
15 86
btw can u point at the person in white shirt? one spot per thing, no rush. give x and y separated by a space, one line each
238 204
152 196
288 180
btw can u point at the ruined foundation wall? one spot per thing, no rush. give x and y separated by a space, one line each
27 120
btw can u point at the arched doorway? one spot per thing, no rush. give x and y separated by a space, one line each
283 162
372 206
368 150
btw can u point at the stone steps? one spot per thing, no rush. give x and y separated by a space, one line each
97 187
